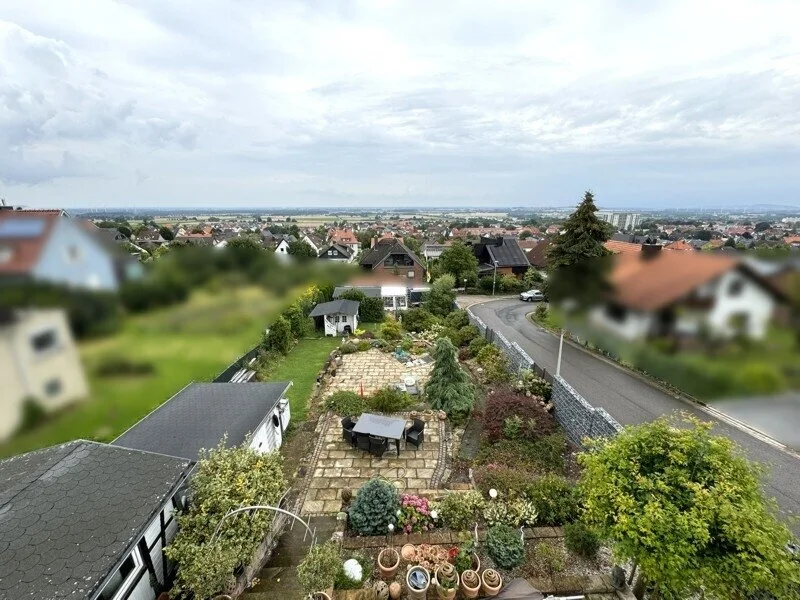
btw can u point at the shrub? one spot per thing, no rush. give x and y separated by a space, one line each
556 499
522 512
297 320
760 378
449 388
348 348
415 514
541 313
551 558
464 354
509 284
461 510
504 546
364 345
279 336
457 319
441 299
345 403
506 403
318 570
494 364
390 330
417 319
371 310
496 513
33 415
581 540
542 455
512 427
485 284
389 400
529 383
122 365
374 507
476 345
466 334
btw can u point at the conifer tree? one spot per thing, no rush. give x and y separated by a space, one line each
449 388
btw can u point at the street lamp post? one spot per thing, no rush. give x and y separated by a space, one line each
494 279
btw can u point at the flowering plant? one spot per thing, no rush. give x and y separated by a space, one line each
415 514
431 557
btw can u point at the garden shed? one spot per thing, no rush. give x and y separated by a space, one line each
337 317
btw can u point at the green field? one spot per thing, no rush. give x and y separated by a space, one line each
191 342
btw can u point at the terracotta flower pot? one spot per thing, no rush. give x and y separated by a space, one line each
395 589
323 595
418 584
446 581
388 562
409 552
492 582
470 583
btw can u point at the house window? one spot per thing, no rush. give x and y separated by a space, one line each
52 387
401 302
336 319
411 274
330 252
122 579
616 312
44 341
388 302
736 287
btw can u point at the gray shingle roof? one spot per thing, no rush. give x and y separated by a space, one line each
504 250
378 253
368 291
70 513
347 307
200 415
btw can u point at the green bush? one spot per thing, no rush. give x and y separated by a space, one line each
374 507
530 383
345 404
551 558
119 365
279 336
485 284
449 388
390 331
371 310
544 454
512 427
494 364
363 346
541 313
441 298
476 345
504 546
297 320
461 510
465 335
509 284
457 319
581 540
348 348
500 477
417 319
389 400
319 568
556 499
33 415
760 378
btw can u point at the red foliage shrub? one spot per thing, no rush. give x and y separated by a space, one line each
505 403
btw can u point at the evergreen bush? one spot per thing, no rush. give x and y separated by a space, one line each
345 404
581 540
279 336
374 507
449 388
389 400
504 546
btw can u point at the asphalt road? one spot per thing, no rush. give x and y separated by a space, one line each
630 399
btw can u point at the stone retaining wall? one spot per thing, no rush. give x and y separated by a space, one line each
439 538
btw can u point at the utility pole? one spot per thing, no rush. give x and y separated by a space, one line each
560 349
494 278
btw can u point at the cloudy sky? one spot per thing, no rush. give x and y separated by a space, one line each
682 103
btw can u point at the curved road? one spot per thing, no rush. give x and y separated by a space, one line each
630 399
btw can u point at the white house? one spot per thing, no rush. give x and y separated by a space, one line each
38 361
671 293
202 413
396 294
88 521
338 316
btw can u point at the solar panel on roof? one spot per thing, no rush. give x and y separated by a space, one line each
21 228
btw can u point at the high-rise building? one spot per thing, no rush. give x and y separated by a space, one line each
624 221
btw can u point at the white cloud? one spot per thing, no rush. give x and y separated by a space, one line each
407 101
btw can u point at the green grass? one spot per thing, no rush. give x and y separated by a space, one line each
194 341
301 366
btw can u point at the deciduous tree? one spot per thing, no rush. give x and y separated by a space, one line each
459 261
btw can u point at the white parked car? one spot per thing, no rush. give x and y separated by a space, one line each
532 296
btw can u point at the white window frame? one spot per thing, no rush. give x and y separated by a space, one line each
138 566
56 341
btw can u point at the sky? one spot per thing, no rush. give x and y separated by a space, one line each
390 103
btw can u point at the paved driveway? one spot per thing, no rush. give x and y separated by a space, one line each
631 399
777 416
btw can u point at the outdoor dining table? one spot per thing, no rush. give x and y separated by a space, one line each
380 426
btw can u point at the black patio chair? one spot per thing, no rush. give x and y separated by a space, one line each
378 445
347 431
362 442
416 433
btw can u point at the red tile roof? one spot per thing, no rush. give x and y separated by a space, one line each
618 247
25 251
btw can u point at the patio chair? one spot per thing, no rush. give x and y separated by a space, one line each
416 433
378 445
362 442
347 431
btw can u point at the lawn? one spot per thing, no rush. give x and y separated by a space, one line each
194 341
301 366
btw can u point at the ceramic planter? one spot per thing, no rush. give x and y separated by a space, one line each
409 552
322 596
417 581
388 562
476 563
395 589
492 582
446 581
470 583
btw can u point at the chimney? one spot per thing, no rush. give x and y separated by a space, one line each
650 251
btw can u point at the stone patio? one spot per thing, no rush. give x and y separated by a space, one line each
335 465
377 370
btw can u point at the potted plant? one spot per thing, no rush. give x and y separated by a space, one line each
388 562
418 580
317 571
470 583
446 581
466 558
492 582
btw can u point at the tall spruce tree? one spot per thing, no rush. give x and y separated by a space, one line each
449 389
578 261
